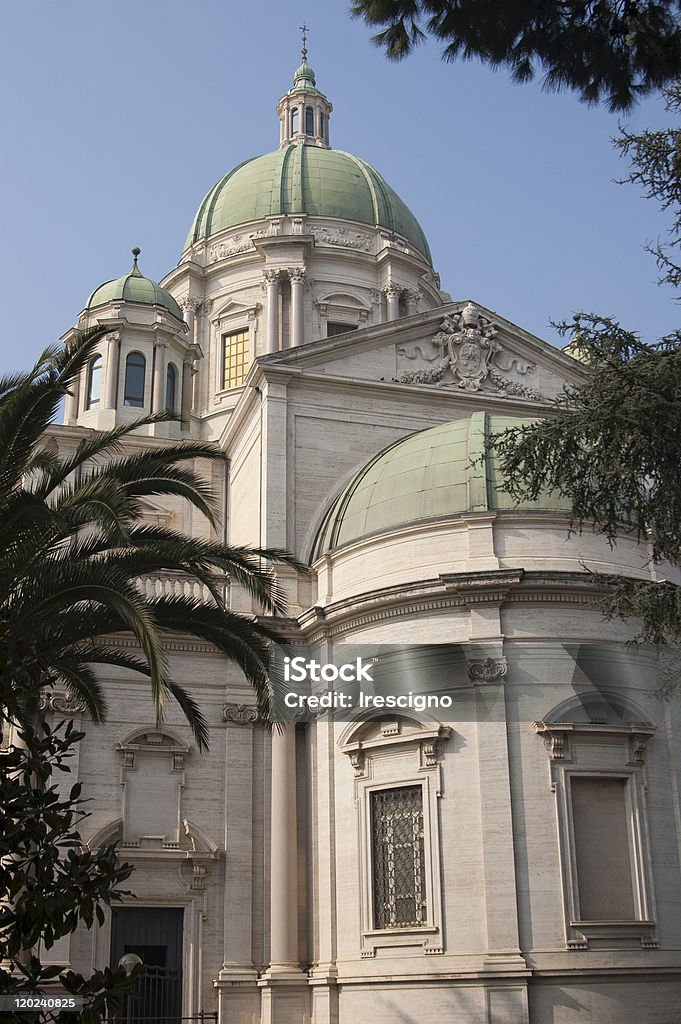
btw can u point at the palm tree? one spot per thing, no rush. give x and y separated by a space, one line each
73 547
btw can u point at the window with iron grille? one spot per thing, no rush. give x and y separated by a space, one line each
235 358
398 858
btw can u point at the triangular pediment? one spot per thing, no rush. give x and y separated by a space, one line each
153 514
459 347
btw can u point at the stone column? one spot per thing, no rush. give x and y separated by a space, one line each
393 296
158 398
297 279
284 853
187 392
412 297
71 404
189 305
111 371
272 284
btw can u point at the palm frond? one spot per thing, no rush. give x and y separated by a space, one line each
27 409
192 713
73 549
244 641
103 443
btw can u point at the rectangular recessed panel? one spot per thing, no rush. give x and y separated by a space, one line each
604 876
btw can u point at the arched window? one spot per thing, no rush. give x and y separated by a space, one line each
309 121
94 383
134 380
171 387
294 121
321 126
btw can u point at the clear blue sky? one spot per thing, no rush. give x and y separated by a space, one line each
118 116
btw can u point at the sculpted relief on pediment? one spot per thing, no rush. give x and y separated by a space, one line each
466 354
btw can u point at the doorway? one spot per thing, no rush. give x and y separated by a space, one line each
155 935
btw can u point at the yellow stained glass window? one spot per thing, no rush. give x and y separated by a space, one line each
235 358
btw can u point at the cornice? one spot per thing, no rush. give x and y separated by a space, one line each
270 244
442 593
132 441
506 405
446 592
177 644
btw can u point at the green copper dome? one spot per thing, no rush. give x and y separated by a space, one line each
306 179
134 287
432 474
304 77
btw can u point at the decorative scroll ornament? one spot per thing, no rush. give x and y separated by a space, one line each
357 760
488 671
231 247
342 237
240 714
62 703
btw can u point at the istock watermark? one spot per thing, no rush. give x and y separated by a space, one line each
299 670
454 682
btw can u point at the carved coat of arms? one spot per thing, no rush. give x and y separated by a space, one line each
470 356
468 340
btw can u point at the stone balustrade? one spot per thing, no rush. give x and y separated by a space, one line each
171 584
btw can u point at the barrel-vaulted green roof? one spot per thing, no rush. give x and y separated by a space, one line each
301 179
432 474
134 287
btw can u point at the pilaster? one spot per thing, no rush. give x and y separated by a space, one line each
487 669
284 985
112 369
271 280
158 392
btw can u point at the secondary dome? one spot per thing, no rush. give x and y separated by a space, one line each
134 287
305 179
431 474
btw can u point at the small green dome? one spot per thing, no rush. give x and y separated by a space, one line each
432 474
134 287
305 179
304 76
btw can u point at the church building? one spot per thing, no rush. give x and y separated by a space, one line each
506 853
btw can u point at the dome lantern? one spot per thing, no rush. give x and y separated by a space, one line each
304 110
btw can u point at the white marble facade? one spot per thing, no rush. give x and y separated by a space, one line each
555 758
